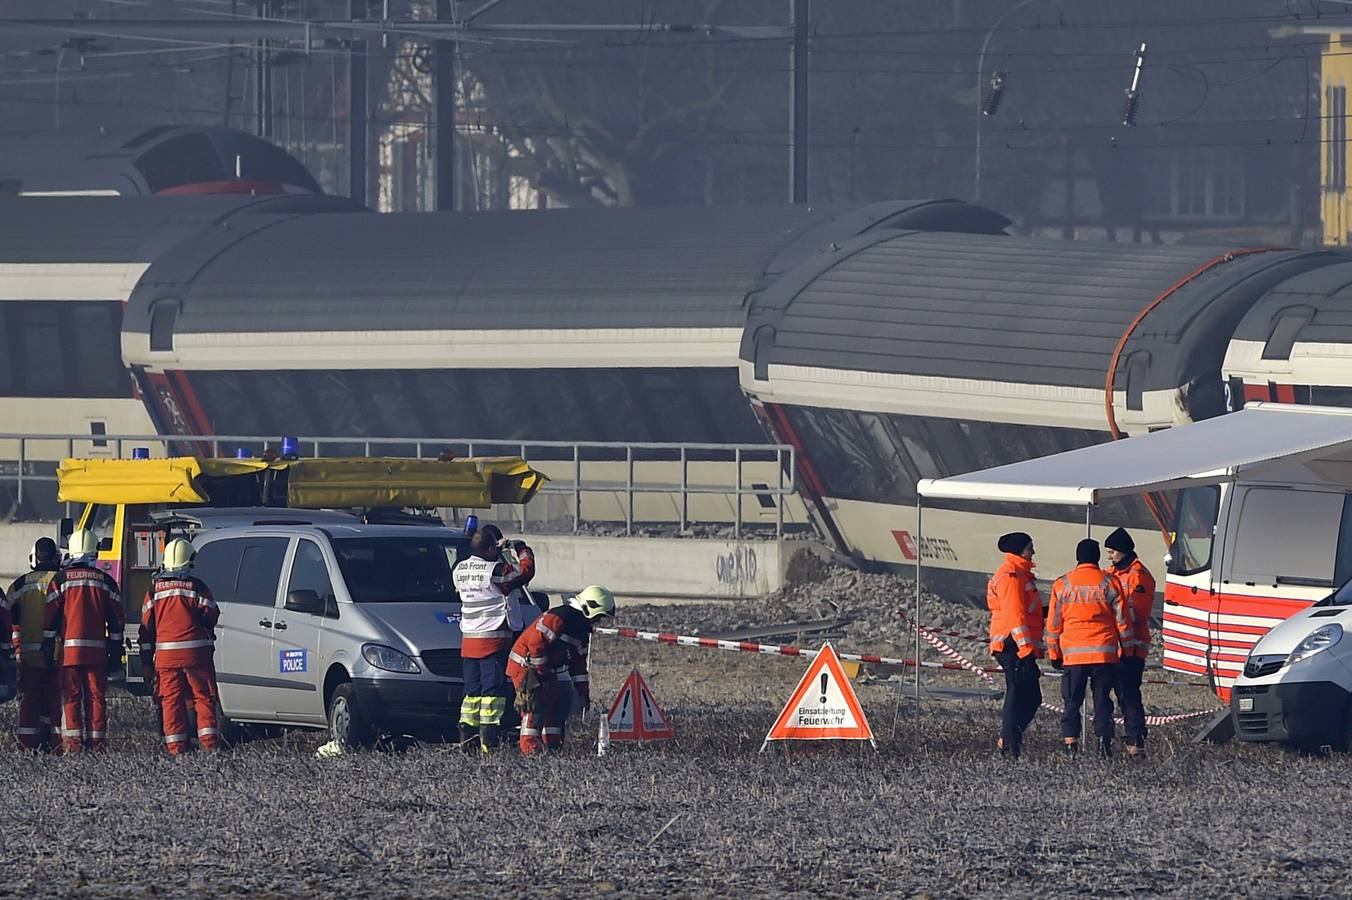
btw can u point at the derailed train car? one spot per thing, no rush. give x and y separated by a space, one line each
67 268
911 355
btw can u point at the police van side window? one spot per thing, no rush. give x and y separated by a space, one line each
217 564
310 572
260 568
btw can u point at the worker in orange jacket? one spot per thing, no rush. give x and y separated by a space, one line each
83 611
548 666
1088 625
178 639
1016 637
39 684
1139 586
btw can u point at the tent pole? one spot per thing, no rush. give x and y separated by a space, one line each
919 562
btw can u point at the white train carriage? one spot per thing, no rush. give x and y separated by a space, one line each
903 355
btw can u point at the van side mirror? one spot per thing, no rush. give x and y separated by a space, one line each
105 544
305 601
64 531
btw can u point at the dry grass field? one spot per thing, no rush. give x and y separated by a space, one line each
935 813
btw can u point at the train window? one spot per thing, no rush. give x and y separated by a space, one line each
163 318
46 361
1282 339
183 160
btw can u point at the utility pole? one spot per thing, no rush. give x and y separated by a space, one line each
443 99
357 139
800 12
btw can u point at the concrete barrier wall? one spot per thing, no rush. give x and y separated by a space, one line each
662 567
631 567
16 541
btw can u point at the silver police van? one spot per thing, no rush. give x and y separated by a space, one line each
329 622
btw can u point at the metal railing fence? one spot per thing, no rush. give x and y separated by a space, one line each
15 465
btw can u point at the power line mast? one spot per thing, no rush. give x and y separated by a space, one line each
445 33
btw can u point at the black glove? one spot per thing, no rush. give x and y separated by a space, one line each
1058 665
115 663
49 652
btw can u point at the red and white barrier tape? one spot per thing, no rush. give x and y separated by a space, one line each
970 666
960 664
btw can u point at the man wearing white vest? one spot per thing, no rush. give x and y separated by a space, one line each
489 619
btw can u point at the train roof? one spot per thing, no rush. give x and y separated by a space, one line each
1300 332
936 323
590 286
127 229
145 161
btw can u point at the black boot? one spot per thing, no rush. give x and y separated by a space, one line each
1105 747
1073 749
489 737
469 738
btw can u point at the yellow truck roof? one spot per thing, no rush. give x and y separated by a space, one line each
475 483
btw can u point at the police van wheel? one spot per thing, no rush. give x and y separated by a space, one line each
348 725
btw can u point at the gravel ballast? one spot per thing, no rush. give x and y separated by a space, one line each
935 813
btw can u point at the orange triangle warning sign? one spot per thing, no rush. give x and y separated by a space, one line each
635 715
823 707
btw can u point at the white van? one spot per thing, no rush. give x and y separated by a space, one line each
327 622
1297 683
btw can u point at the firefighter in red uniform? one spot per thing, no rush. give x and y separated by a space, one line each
549 662
178 631
84 612
489 616
1139 586
39 685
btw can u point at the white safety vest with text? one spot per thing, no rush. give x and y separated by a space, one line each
485 611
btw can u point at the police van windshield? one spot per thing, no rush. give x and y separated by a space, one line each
399 569
1340 597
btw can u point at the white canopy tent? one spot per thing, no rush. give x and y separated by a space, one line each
1259 438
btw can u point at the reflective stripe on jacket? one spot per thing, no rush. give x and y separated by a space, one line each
83 610
1139 586
1088 621
178 622
1016 606
27 597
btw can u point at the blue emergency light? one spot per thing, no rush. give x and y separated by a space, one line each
471 525
140 453
243 453
290 448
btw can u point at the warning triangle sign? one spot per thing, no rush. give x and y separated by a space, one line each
635 715
823 707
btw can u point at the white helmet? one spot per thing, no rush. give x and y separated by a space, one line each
594 601
178 555
82 545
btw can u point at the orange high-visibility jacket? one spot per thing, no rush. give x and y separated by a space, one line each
178 622
1139 586
1088 621
555 646
1016 606
84 611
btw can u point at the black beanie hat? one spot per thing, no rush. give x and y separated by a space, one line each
1087 551
1015 542
1120 541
